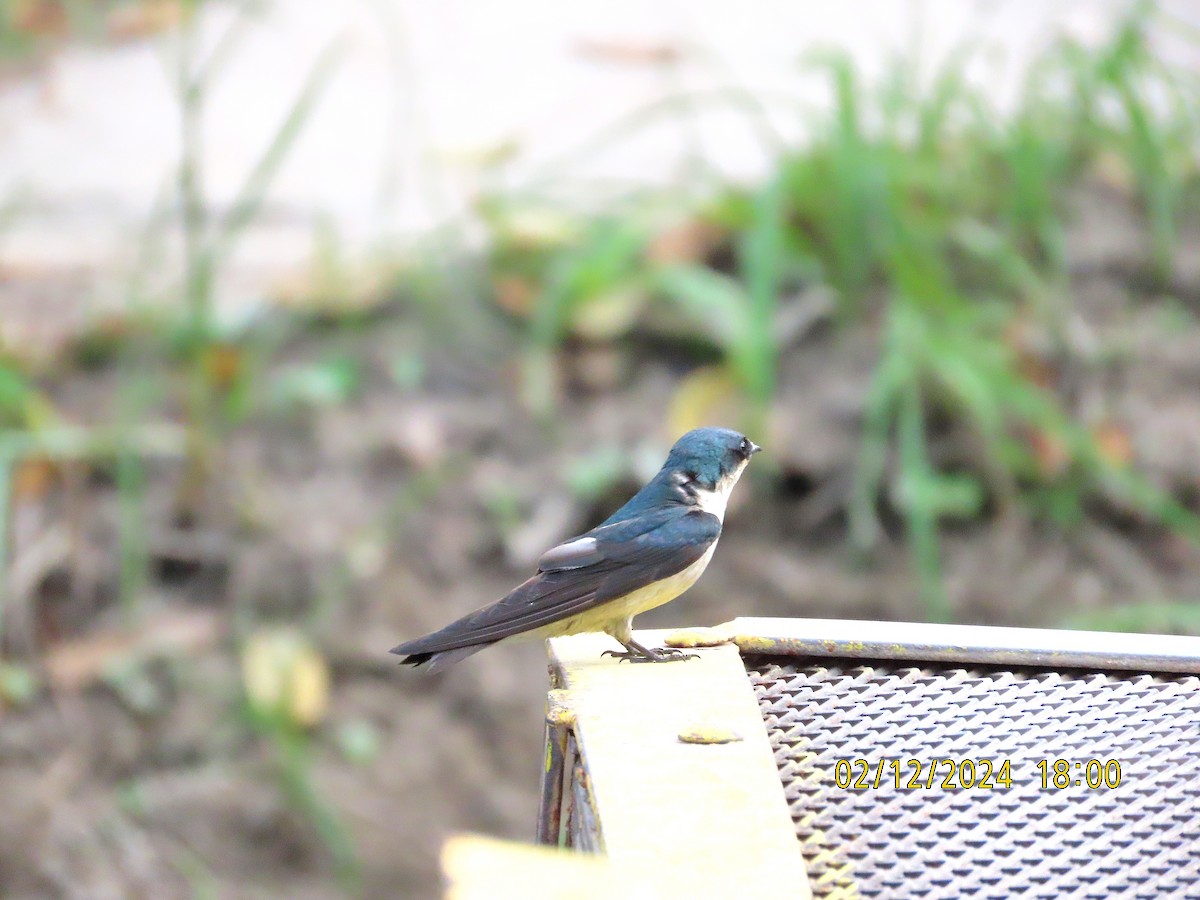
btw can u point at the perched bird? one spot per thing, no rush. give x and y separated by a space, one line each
645 554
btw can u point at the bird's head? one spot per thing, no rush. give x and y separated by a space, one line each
700 471
707 462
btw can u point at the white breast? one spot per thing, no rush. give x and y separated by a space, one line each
714 501
615 615
666 590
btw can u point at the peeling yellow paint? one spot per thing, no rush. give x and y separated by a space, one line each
750 644
699 637
709 734
559 713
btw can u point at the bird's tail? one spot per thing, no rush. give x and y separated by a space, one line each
432 663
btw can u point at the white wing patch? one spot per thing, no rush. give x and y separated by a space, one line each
580 549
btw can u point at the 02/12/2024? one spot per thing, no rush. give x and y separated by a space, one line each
966 774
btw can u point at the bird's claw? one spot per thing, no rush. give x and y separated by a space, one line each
656 655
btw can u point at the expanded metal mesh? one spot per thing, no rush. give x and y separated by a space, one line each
1139 839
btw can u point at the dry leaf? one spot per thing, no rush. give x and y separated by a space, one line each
1113 443
536 227
514 294
638 53
284 675
1029 347
1113 171
17 686
689 242
703 397
480 156
139 20
597 368
606 316
222 365
33 478
309 696
333 289
39 18
419 437
1050 452
76 664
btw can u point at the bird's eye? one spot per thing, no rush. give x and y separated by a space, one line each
690 477
745 447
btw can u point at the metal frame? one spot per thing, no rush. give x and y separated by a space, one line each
924 642
681 779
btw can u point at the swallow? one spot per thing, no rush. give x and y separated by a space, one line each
645 554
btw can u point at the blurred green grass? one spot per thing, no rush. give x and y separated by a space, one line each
931 214
941 219
933 218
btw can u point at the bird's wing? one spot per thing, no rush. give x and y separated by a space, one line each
585 572
600 543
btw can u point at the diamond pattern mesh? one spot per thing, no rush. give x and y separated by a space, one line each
1141 839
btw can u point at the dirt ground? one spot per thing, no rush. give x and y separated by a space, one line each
376 519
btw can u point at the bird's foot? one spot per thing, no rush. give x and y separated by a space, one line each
648 655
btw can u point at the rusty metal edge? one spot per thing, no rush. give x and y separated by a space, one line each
979 644
550 805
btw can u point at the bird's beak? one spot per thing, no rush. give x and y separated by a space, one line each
754 448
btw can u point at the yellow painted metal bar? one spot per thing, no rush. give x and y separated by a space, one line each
681 770
480 868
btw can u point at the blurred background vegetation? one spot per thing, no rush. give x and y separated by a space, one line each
963 326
